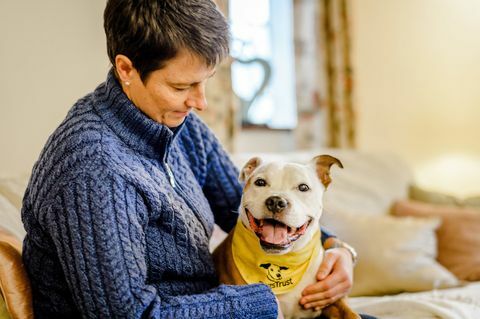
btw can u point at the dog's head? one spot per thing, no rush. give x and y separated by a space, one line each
282 202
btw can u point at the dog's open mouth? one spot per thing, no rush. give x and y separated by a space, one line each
275 234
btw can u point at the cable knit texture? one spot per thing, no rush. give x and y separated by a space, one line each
109 236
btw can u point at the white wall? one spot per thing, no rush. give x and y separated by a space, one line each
52 52
417 77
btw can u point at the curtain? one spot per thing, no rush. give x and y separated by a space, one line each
324 76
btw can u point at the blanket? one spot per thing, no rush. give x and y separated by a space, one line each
453 303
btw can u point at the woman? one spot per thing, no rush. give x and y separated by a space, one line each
122 201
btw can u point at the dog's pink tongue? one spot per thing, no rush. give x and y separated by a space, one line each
274 233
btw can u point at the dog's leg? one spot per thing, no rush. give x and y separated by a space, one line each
340 310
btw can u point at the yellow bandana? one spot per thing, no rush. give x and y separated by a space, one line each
281 272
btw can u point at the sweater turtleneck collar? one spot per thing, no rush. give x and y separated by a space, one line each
134 127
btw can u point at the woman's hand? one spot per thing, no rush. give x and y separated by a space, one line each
335 278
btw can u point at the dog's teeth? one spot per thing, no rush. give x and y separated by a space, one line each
261 222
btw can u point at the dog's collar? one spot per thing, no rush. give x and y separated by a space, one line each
281 272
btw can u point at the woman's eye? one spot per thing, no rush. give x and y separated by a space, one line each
180 89
303 187
261 182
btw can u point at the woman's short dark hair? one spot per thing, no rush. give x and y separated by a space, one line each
150 32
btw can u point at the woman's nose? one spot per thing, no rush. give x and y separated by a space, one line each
197 98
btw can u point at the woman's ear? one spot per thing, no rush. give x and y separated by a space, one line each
125 69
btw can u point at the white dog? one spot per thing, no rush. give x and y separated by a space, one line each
277 238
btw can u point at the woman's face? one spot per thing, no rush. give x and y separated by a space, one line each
170 94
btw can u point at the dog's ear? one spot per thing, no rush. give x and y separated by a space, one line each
265 266
322 165
248 168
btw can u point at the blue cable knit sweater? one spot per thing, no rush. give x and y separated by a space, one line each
119 211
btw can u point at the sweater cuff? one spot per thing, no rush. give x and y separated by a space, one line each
252 301
326 235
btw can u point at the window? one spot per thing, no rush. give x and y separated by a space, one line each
263 75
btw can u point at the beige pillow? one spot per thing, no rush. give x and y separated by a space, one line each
458 235
395 254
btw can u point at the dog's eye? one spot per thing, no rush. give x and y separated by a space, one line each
303 187
261 182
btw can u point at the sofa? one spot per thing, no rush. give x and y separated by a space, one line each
419 255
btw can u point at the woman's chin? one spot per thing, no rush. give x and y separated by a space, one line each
174 121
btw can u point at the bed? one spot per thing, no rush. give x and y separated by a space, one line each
408 266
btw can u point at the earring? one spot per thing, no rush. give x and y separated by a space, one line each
127 83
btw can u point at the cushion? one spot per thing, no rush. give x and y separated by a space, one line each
395 254
458 235
14 283
424 195
13 189
11 194
10 219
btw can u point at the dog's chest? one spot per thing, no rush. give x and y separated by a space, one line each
289 302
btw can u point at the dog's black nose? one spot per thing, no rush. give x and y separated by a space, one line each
276 204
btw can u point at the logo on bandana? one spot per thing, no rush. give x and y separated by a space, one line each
274 274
